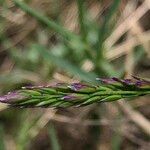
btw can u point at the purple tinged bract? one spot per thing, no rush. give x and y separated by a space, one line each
107 81
11 96
77 86
140 82
136 81
69 97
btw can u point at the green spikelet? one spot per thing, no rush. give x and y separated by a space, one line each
77 94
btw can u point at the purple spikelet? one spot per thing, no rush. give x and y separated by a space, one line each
11 96
135 82
77 86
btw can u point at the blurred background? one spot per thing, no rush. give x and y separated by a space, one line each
51 41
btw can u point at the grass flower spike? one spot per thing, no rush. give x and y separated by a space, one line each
77 94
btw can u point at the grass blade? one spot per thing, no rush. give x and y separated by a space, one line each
53 137
104 27
81 18
43 19
2 143
66 65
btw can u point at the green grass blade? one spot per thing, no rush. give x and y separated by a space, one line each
104 27
53 137
43 19
81 18
66 65
2 145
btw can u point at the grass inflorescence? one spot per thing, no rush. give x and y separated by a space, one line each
77 94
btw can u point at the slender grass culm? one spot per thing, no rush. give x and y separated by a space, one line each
77 94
